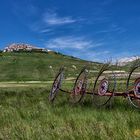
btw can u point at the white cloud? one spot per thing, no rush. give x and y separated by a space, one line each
53 19
45 30
92 55
72 43
77 46
49 20
112 28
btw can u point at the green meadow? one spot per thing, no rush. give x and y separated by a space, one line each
26 113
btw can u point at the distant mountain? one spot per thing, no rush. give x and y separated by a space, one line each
127 60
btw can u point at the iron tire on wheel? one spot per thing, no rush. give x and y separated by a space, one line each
79 88
133 93
101 91
56 85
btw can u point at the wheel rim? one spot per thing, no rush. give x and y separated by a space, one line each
104 88
79 87
56 86
133 87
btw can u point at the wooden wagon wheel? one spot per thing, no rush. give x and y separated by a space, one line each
79 88
133 88
56 85
104 87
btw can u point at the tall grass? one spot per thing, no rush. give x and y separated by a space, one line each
25 113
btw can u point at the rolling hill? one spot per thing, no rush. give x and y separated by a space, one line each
24 62
27 66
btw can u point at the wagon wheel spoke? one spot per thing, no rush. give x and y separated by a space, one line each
56 85
79 88
104 88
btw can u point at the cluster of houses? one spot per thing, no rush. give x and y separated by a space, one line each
24 47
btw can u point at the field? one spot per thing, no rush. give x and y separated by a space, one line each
27 114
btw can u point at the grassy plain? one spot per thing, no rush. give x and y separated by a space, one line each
25 113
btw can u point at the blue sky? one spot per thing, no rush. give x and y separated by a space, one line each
95 30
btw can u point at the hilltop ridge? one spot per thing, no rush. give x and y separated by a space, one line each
18 47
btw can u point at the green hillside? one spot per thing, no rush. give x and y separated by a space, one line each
38 66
